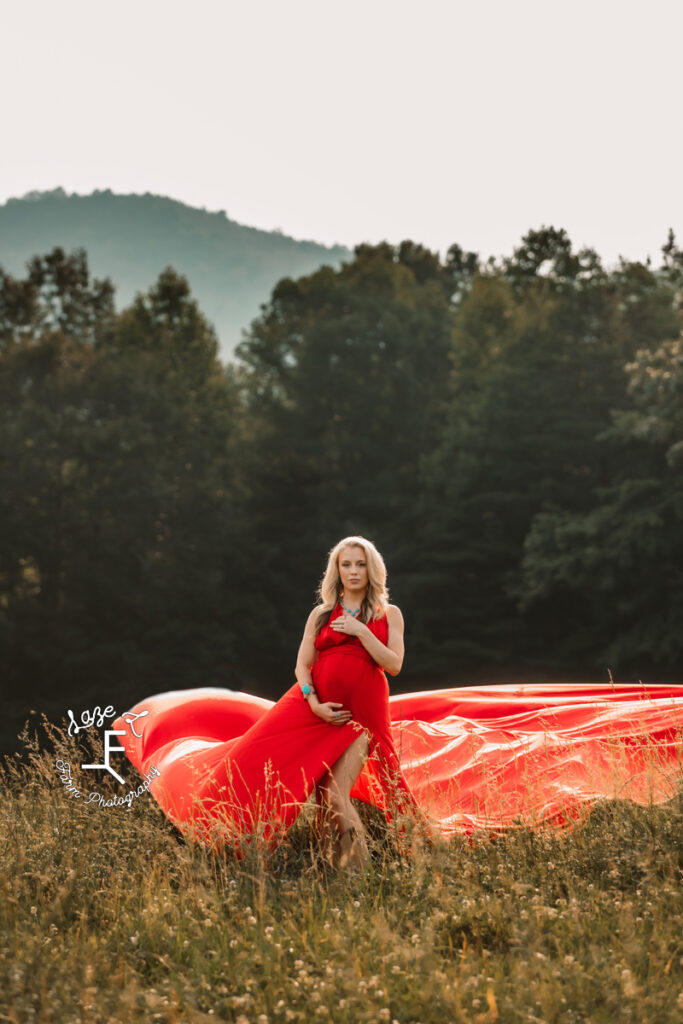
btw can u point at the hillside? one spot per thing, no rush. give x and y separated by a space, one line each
231 268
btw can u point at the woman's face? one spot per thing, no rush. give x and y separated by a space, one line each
353 568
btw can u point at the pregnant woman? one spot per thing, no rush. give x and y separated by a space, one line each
330 724
340 671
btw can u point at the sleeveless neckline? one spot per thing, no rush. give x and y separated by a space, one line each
330 638
340 605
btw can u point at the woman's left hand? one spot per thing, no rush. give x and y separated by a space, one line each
346 623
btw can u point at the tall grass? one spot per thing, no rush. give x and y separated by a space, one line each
109 915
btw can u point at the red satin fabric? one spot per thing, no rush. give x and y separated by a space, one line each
492 757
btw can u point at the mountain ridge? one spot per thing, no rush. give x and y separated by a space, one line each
130 237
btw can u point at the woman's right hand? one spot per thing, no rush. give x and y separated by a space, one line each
332 712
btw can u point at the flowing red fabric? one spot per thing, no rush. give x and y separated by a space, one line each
231 765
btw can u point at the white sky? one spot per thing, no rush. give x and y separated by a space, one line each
359 120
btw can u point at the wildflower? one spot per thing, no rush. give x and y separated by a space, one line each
628 984
135 939
384 1013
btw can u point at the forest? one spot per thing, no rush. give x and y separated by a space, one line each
509 433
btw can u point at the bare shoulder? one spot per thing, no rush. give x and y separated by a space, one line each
394 615
311 620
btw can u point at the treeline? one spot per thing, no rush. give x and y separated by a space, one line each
509 433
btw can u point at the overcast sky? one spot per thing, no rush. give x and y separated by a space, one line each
360 120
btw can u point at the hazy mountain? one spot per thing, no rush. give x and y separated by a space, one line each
231 268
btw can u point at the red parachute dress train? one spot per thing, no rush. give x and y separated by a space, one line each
227 766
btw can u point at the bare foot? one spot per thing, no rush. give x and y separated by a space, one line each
353 849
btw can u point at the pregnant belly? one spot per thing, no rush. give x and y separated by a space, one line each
344 673
344 663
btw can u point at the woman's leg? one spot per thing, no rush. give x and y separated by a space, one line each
340 779
327 834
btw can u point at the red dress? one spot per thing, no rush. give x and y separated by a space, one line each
257 775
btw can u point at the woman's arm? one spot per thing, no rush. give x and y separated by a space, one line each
306 653
328 711
388 656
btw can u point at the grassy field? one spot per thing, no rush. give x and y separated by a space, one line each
108 915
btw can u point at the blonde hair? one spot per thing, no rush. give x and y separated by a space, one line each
375 602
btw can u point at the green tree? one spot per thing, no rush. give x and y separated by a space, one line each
539 347
623 557
120 554
344 377
56 295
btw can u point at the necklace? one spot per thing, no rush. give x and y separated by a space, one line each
348 609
